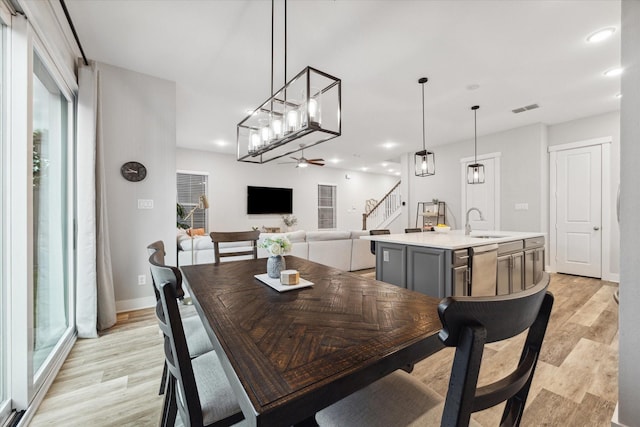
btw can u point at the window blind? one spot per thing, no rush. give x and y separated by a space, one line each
190 187
327 206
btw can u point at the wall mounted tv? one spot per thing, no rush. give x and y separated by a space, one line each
269 200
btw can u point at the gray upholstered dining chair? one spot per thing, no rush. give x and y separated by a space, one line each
197 389
251 237
198 341
377 233
469 323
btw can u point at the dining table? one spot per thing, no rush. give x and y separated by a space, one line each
291 352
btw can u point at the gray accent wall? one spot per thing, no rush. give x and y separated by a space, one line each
139 124
629 368
523 177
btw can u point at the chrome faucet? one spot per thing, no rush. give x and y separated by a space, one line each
467 226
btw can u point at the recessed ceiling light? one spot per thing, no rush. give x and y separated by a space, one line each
389 145
600 35
220 143
614 72
384 164
618 95
335 160
364 169
398 173
391 170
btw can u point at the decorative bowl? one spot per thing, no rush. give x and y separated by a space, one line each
440 229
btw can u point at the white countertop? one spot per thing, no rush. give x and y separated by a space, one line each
454 239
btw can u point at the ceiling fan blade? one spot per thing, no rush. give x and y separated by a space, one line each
315 163
296 158
315 160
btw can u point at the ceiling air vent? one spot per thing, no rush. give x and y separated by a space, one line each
525 108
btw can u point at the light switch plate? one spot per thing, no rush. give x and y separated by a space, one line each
145 204
385 256
522 206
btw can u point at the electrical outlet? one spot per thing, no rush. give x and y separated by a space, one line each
142 279
385 256
522 206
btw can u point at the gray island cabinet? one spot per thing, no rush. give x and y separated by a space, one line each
444 264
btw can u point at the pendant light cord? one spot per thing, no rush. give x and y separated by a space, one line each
285 42
272 23
424 147
475 136
475 133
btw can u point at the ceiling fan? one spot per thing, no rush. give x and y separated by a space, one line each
303 162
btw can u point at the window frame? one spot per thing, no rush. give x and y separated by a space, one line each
5 308
333 207
27 387
201 219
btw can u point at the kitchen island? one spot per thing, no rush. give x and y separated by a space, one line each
452 263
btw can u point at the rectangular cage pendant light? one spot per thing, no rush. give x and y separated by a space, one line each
425 163
305 111
475 173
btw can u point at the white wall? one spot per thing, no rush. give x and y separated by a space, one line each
139 124
522 178
228 181
603 125
629 368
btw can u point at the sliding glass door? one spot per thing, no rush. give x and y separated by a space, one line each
4 331
37 327
51 213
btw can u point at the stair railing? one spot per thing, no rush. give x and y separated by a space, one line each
386 207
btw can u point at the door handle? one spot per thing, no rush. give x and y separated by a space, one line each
595 227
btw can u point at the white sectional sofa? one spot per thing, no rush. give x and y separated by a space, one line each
340 249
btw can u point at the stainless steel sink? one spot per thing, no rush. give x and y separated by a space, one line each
488 236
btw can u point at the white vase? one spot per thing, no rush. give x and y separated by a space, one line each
275 264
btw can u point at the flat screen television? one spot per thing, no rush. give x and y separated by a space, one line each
269 200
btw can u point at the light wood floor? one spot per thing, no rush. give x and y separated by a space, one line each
114 380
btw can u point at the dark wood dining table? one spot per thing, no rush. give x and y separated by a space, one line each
289 354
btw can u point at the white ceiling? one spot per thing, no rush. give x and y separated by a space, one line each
218 53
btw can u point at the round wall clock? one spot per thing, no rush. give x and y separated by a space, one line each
133 171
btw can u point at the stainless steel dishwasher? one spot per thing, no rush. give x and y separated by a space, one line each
484 266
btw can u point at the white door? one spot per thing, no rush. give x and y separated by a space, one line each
579 211
482 196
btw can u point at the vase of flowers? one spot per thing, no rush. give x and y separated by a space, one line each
277 247
289 221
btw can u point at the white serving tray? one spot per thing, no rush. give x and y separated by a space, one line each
275 283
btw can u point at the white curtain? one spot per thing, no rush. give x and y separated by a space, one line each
95 300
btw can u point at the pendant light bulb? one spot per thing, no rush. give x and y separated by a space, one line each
425 161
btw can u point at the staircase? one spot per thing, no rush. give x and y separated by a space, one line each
385 211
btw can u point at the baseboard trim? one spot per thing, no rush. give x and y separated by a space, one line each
612 277
614 419
135 304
